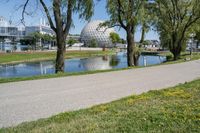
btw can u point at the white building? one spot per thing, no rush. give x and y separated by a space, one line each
10 35
42 28
93 31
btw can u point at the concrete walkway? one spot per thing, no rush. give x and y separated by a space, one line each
31 100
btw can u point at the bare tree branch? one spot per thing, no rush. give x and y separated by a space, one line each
24 11
119 14
69 17
48 15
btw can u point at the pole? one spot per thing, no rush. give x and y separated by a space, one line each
145 61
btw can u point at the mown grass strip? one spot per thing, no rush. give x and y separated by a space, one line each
175 109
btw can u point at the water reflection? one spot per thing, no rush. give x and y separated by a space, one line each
73 65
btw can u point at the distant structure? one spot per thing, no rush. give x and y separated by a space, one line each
42 28
92 31
11 35
192 44
152 45
8 31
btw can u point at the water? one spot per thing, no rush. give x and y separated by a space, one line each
74 65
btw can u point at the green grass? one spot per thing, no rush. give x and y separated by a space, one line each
175 109
37 56
59 75
183 57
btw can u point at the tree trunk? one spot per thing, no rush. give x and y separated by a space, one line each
60 37
136 60
130 49
60 57
198 42
176 56
176 53
143 34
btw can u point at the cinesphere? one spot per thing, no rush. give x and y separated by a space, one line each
101 34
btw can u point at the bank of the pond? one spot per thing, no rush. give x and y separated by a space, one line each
7 80
10 58
174 109
116 61
183 58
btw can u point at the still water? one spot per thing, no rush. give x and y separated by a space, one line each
74 65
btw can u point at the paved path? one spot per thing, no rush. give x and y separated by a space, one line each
31 100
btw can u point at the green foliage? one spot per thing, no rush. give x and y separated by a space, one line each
125 14
114 61
71 41
174 109
46 37
27 41
115 38
93 43
174 20
145 18
196 32
123 41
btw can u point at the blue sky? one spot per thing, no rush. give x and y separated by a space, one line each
11 12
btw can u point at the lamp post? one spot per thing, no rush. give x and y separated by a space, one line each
1 46
145 61
191 43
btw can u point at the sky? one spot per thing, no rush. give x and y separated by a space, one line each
11 11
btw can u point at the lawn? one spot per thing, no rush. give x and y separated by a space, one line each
185 56
175 109
37 56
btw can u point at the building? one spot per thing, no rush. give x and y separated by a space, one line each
42 28
7 31
93 32
192 43
10 35
152 45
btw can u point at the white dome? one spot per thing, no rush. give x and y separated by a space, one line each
97 63
100 34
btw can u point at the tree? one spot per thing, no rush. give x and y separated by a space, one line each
124 13
93 43
175 18
123 41
71 41
36 37
115 38
145 18
196 31
59 15
29 42
197 37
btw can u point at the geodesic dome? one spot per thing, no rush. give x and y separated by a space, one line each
101 35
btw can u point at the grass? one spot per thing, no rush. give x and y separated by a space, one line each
175 109
37 56
184 55
59 75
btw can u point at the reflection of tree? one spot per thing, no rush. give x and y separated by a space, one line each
114 61
104 58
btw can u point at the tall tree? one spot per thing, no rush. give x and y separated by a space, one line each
145 18
124 13
115 38
196 32
59 15
175 18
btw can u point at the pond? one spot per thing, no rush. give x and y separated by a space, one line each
75 65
